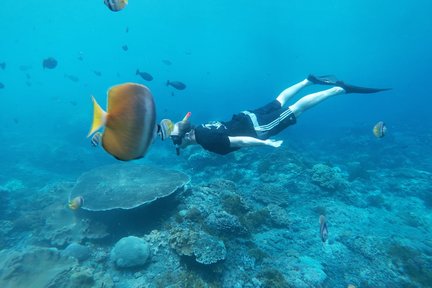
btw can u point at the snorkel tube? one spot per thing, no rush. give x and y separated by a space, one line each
188 114
177 139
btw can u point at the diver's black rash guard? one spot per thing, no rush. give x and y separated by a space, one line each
213 136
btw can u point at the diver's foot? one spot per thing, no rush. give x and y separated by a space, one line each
323 80
357 89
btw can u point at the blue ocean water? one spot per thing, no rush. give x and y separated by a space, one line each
234 55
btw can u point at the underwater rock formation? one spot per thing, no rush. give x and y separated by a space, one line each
45 213
62 228
37 267
77 251
130 252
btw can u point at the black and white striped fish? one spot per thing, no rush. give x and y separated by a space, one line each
116 5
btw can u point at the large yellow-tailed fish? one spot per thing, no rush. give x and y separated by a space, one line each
116 5
130 121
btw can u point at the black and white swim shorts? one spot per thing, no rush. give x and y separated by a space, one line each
270 119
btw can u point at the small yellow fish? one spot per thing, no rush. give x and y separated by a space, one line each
379 129
116 5
76 203
165 128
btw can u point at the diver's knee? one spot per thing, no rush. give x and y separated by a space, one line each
296 109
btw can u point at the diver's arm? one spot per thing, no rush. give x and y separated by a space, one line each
244 141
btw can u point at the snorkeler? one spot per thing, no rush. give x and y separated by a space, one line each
255 127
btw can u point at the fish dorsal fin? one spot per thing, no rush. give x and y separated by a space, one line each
99 117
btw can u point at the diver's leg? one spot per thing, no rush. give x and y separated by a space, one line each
289 92
311 100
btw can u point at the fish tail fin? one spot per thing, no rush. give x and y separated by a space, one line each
167 83
99 117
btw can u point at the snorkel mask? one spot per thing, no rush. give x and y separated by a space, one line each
179 130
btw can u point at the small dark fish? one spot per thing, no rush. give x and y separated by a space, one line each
127 30
2 86
28 83
80 56
97 73
3 65
125 48
71 77
379 129
49 63
323 228
73 103
28 76
176 84
167 62
146 76
16 120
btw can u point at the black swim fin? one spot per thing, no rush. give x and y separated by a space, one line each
357 89
323 80
332 80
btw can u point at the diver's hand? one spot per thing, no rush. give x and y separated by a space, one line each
273 143
96 139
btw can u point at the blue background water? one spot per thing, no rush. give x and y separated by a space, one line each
232 55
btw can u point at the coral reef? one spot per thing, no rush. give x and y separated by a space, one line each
271 277
206 249
225 224
254 221
364 246
4 202
245 221
235 204
5 228
415 264
327 177
133 186
278 216
272 194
